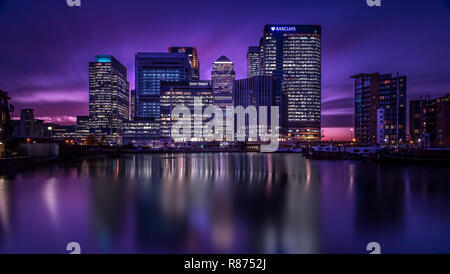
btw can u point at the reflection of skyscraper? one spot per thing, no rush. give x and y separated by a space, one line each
292 53
253 62
375 92
222 80
108 97
151 68
191 52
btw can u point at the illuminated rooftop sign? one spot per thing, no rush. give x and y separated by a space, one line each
283 28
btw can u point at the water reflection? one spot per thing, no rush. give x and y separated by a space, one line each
223 203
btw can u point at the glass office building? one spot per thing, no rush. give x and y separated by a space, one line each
108 97
151 69
191 52
256 91
183 94
222 81
292 54
253 61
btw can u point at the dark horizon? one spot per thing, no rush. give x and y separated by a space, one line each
48 45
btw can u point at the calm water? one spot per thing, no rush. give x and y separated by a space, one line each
232 203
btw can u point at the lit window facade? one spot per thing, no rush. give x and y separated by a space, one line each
151 69
222 81
292 54
108 97
191 52
375 92
253 62
183 94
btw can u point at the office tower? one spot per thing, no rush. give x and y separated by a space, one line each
5 121
222 81
141 132
374 92
183 93
132 104
191 52
253 62
292 54
429 121
255 91
151 69
82 128
108 98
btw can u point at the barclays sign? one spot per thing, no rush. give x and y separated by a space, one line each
280 28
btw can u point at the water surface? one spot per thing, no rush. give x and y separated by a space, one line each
225 203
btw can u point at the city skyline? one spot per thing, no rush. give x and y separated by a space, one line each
45 87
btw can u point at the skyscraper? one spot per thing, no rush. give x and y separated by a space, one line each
151 69
183 93
292 54
256 91
377 95
108 97
222 81
253 61
191 52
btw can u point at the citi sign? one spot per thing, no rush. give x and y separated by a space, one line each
283 28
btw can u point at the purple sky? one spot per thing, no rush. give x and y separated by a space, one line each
45 45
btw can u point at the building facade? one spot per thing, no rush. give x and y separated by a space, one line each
151 69
429 121
375 92
6 110
255 91
108 97
82 128
253 61
292 54
191 52
29 127
141 132
183 94
222 81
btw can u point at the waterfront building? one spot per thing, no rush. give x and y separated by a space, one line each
29 127
222 81
141 132
151 69
255 91
375 92
183 93
253 61
6 110
62 133
82 128
292 54
191 52
108 98
429 121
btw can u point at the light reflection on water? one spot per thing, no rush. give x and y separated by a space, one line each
224 203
